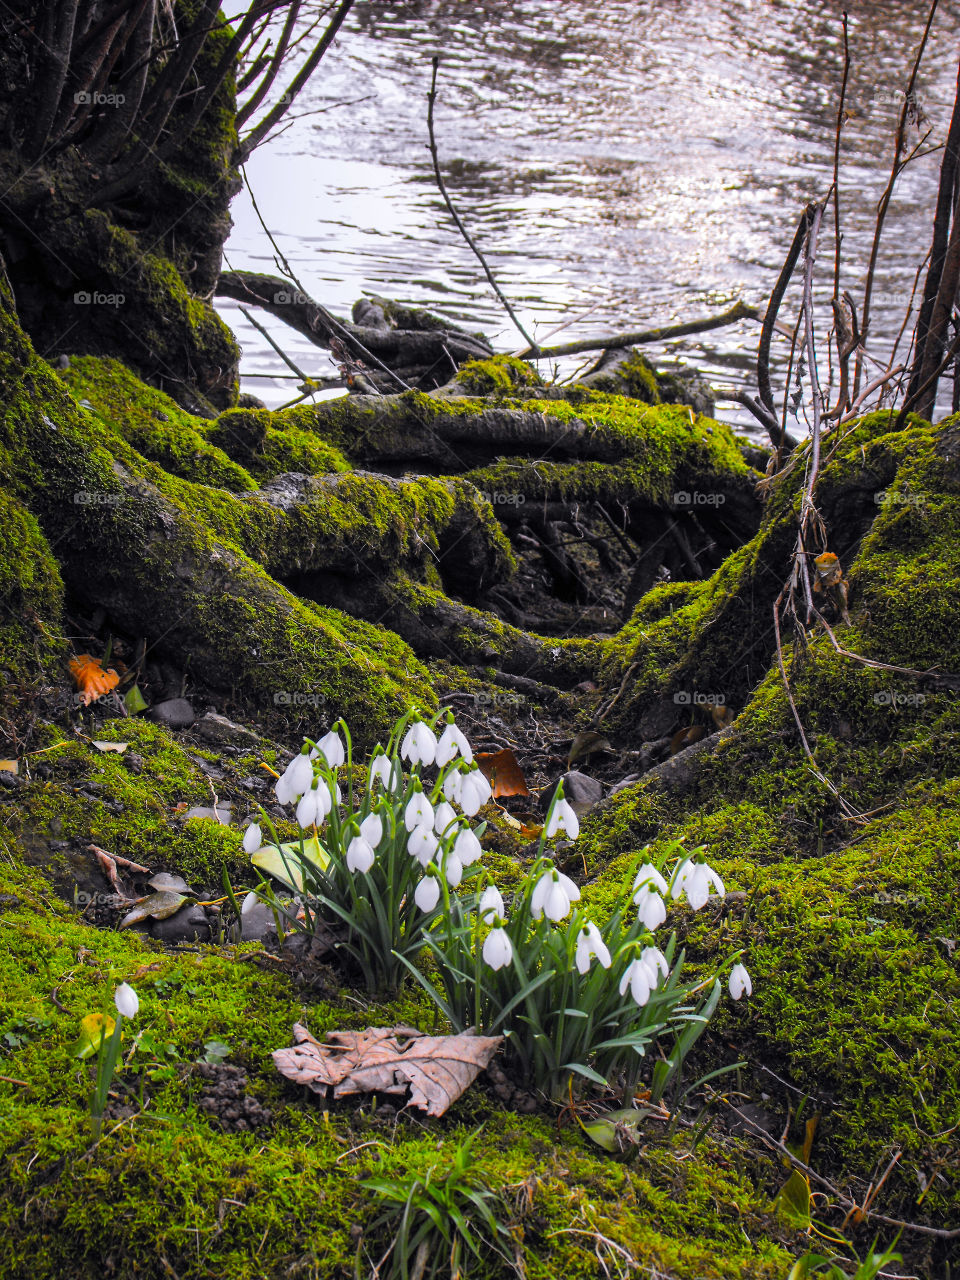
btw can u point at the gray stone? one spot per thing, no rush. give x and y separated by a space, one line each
175 713
189 924
580 790
659 719
258 924
222 814
218 729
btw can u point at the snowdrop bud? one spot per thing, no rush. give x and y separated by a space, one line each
252 838
590 944
331 748
427 893
637 978
371 828
562 818
651 878
382 769
452 869
422 845
452 785
126 1000
445 814
419 812
491 907
359 855
467 847
652 910
300 771
419 744
307 808
740 982
475 791
451 742
497 949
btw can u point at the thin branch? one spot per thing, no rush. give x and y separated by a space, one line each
773 309
739 311
431 99
836 159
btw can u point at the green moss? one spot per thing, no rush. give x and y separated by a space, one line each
31 592
634 377
267 445
498 376
153 424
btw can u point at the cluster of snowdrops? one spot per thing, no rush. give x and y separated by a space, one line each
390 853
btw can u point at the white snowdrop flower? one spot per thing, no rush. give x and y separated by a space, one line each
696 880
637 978
422 845
360 856
282 789
308 808
475 791
419 812
740 982
252 838
590 944
336 795
649 877
491 907
444 815
562 818
330 747
452 785
427 893
452 869
452 742
126 1000
552 896
371 828
467 847
656 962
419 744
497 949
651 908
300 770
385 771
250 900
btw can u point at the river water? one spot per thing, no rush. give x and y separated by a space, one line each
623 165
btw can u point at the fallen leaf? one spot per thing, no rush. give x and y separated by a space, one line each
287 869
502 770
118 747
586 744
684 738
158 906
614 1130
9 766
793 1199
436 1069
134 701
91 679
167 881
93 1028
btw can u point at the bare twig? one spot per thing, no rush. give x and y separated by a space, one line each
773 309
431 99
739 311
836 159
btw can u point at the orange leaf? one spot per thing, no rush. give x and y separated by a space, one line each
91 679
502 770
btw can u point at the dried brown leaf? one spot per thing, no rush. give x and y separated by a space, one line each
159 906
436 1069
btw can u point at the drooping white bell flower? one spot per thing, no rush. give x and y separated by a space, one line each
637 977
384 770
452 785
300 769
371 828
419 812
656 963
427 893
452 869
451 742
467 847
651 908
360 856
490 906
696 880
552 895
419 744
308 807
650 877
126 1000
740 982
331 748
443 817
590 944
252 838
422 845
562 818
497 948
475 791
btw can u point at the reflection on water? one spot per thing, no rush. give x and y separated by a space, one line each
646 158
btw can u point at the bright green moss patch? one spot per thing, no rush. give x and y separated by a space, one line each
32 594
498 376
